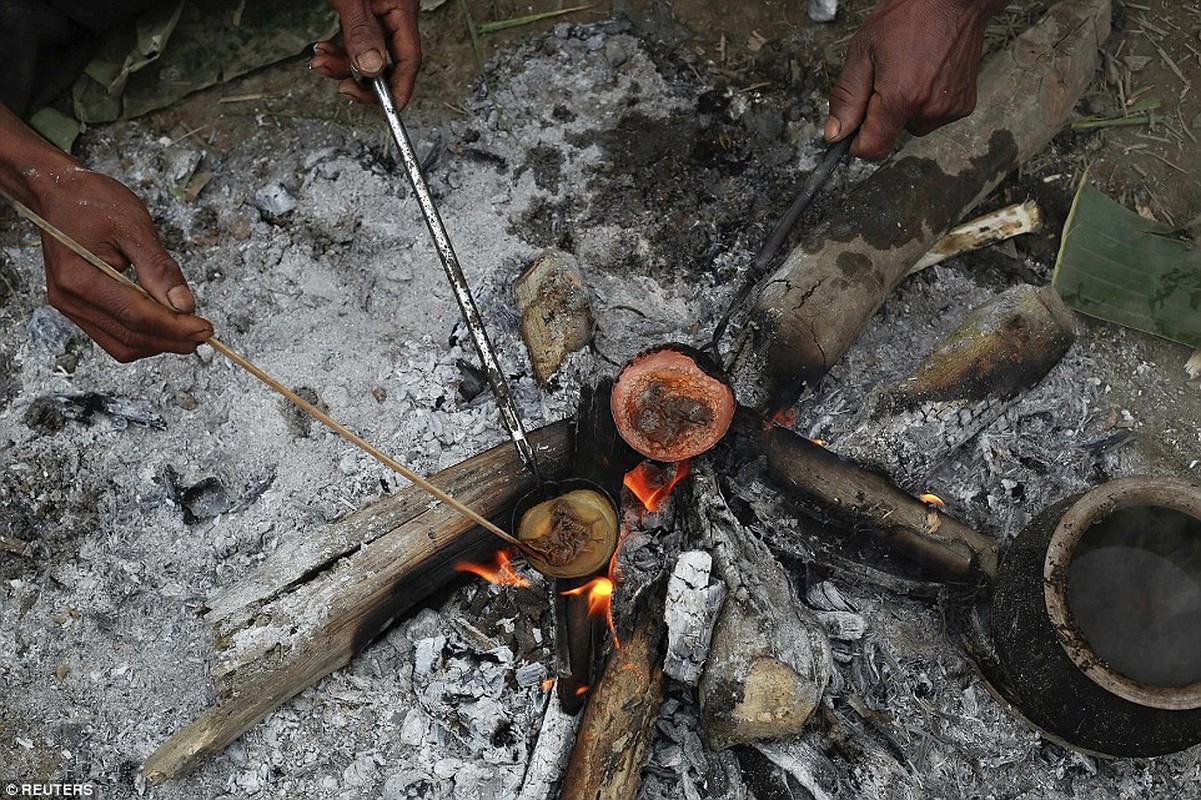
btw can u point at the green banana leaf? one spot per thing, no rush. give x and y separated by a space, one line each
1120 267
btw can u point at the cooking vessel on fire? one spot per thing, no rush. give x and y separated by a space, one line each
1094 619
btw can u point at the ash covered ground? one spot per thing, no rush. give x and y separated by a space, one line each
130 494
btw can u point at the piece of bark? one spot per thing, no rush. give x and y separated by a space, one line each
287 636
555 739
556 312
909 428
619 720
769 660
815 305
838 489
691 610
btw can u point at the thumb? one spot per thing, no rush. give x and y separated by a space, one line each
362 36
159 274
850 96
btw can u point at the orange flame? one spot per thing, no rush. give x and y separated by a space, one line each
649 483
932 499
499 571
599 592
548 684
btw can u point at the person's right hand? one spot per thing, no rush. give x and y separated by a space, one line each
911 66
373 31
109 220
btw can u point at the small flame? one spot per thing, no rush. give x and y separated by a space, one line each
499 571
818 442
582 690
932 499
548 684
599 592
649 483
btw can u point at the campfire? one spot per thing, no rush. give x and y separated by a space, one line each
702 558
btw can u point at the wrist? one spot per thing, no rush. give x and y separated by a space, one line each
29 165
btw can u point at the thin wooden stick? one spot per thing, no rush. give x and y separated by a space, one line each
271 382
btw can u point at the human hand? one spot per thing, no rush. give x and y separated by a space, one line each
373 30
911 66
106 218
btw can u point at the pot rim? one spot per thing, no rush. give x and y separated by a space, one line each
1163 491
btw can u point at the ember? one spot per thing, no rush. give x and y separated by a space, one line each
499 571
652 483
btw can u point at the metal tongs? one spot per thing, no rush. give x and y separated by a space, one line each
458 282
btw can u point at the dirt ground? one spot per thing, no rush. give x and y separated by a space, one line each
659 151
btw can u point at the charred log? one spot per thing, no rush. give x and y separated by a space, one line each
320 600
838 489
907 429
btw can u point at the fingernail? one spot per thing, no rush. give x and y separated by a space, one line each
181 299
370 62
202 336
833 127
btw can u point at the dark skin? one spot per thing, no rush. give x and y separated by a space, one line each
912 66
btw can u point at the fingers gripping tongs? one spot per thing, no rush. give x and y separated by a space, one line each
458 282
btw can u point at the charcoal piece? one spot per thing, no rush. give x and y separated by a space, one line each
204 500
473 383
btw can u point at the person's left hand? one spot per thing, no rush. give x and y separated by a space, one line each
373 31
912 66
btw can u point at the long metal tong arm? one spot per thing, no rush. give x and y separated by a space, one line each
458 281
271 382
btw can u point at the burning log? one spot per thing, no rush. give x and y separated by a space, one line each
770 660
836 487
617 724
816 304
315 604
600 458
907 429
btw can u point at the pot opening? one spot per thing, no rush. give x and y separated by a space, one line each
1134 592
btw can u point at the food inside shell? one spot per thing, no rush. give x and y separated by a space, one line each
669 405
569 535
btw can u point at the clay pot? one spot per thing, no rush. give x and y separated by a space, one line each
1096 619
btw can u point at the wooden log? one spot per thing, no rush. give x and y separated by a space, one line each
556 311
908 428
619 720
310 608
769 660
837 488
815 305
